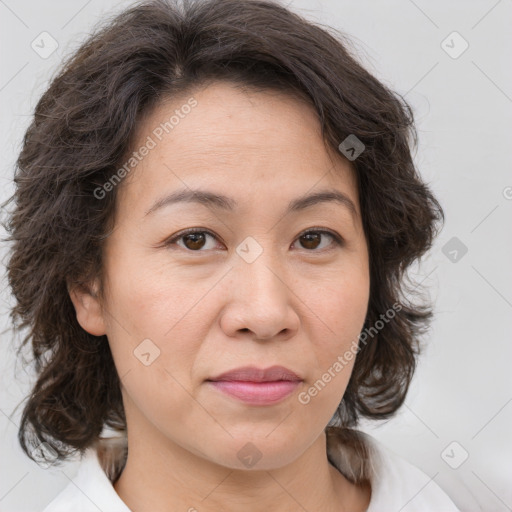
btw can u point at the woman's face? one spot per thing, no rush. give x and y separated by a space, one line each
261 284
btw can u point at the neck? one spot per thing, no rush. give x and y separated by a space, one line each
160 474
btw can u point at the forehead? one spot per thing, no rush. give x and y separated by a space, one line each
237 140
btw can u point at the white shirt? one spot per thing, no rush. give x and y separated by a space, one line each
396 486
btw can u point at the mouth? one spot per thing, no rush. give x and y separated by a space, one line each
257 386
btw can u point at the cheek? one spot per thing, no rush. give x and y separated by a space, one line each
149 297
149 328
342 308
343 312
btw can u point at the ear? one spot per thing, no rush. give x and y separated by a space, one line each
88 308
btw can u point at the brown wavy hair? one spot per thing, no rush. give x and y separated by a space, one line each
83 127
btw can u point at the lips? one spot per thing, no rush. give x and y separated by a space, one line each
253 374
255 386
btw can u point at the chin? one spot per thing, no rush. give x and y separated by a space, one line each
257 452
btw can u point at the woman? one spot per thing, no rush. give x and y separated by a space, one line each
215 209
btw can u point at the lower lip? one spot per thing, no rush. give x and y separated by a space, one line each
257 393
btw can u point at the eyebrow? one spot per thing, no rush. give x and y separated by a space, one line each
215 201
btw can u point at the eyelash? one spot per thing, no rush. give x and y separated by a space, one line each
338 240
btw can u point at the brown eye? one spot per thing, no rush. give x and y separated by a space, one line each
312 239
195 240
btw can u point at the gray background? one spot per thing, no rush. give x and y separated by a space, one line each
462 391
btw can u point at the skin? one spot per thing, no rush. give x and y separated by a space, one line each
299 304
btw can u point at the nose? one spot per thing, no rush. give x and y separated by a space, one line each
260 302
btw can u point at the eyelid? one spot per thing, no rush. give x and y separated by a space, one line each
319 229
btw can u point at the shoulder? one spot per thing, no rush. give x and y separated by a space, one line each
399 485
89 491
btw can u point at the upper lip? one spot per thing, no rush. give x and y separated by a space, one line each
254 374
